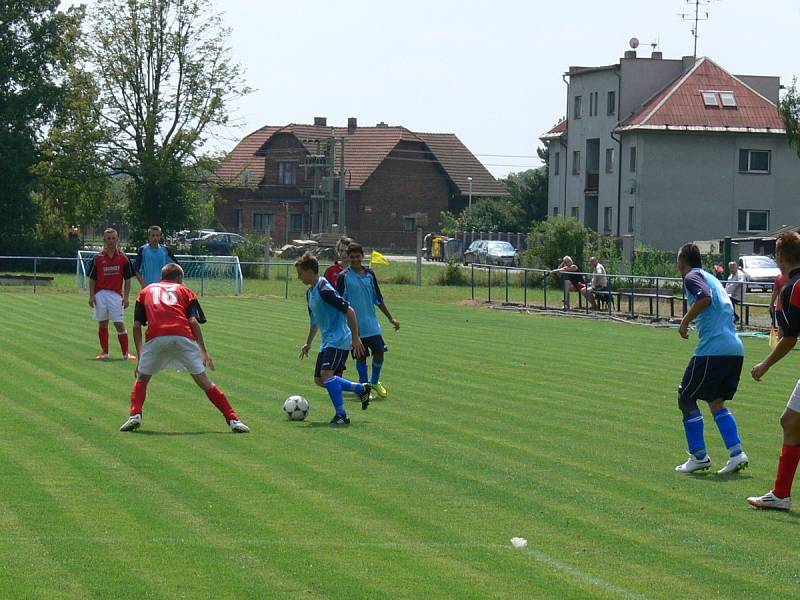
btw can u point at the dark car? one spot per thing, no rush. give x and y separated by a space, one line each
219 242
491 252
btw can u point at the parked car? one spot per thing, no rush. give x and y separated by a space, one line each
491 252
217 242
760 271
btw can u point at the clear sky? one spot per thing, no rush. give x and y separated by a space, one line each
490 72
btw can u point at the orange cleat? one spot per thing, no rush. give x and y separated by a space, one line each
129 357
103 356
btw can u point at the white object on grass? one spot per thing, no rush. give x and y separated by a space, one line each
519 542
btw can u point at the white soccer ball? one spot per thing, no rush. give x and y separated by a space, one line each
296 408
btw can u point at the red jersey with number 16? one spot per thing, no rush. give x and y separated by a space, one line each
166 308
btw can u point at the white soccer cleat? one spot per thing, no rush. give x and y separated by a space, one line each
238 427
770 501
132 424
692 465
734 464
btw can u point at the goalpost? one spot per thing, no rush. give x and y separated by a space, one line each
204 274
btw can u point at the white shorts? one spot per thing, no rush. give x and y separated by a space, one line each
794 399
171 352
108 307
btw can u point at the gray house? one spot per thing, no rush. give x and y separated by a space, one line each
672 151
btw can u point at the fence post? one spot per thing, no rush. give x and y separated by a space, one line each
202 277
506 285
525 288
633 291
34 274
266 259
472 279
419 255
489 270
286 288
658 300
544 279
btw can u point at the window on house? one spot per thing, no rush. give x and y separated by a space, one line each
633 159
710 99
409 223
611 107
630 219
296 222
577 112
754 161
576 212
287 173
753 220
576 162
607 216
609 160
555 211
591 104
556 163
262 222
728 99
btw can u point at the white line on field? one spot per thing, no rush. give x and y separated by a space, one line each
538 555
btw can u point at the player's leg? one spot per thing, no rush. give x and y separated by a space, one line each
138 396
329 361
378 352
122 336
362 368
102 334
724 378
693 379
780 497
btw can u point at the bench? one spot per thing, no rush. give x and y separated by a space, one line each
7 279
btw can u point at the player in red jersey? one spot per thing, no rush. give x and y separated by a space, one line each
173 340
332 272
109 287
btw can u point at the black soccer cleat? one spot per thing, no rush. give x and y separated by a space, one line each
340 420
366 396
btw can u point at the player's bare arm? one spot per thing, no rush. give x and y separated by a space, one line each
690 316
91 292
385 310
198 336
126 292
783 348
352 321
312 333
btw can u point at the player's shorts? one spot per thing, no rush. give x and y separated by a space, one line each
794 399
373 344
168 352
711 378
330 359
108 307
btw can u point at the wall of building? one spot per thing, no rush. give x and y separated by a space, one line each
642 78
766 85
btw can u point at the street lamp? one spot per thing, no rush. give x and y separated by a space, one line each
469 179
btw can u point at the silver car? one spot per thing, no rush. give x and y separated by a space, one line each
759 271
491 252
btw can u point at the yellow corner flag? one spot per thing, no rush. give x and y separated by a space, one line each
378 259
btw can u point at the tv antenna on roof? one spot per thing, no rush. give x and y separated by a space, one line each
696 17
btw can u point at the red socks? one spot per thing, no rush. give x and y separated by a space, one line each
123 342
220 400
102 333
138 395
790 456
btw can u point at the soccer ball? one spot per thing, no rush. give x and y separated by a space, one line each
296 408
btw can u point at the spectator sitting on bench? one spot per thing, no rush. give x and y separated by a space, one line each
573 280
598 283
735 286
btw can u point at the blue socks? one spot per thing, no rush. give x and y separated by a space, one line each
334 388
376 372
363 372
349 386
726 423
693 425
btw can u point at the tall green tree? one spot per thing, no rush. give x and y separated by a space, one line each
789 108
166 81
37 43
485 214
528 191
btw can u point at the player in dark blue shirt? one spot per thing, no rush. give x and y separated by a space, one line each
336 321
714 370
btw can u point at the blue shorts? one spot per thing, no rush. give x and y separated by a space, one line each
330 359
711 378
373 344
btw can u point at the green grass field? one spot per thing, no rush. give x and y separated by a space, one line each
562 431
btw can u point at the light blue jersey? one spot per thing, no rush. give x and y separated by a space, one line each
715 324
328 312
150 261
362 292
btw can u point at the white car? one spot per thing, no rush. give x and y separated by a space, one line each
759 271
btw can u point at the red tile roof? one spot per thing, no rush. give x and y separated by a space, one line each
680 105
556 132
365 149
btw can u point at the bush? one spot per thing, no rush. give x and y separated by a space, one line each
555 238
402 278
49 245
451 274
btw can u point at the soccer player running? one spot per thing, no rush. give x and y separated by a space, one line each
109 288
714 370
151 258
336 320
174 340
358 285
787 254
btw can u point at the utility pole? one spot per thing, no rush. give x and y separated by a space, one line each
342 200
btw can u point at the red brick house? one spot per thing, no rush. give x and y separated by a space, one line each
285 180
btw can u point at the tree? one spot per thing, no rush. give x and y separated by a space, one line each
789 108
528 191
37 44
485 214
165 81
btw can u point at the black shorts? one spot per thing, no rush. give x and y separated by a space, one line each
330 359
711 378
373 344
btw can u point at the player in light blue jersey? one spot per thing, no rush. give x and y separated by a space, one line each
336 321
358 285
714 370
152 257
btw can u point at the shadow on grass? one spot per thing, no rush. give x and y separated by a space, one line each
149 432
325 424
719 479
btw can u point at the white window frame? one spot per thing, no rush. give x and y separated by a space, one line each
576 162
748 212
609 160
608 217
577 107
750 161
611 103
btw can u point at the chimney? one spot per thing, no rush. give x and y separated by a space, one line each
688 62
630 54
656 55
320 121
381 124
352 123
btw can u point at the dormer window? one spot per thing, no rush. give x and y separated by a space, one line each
710 99
728 99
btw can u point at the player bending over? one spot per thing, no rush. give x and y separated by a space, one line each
109 287
714 370
336 320
787 254
358 285
174 340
